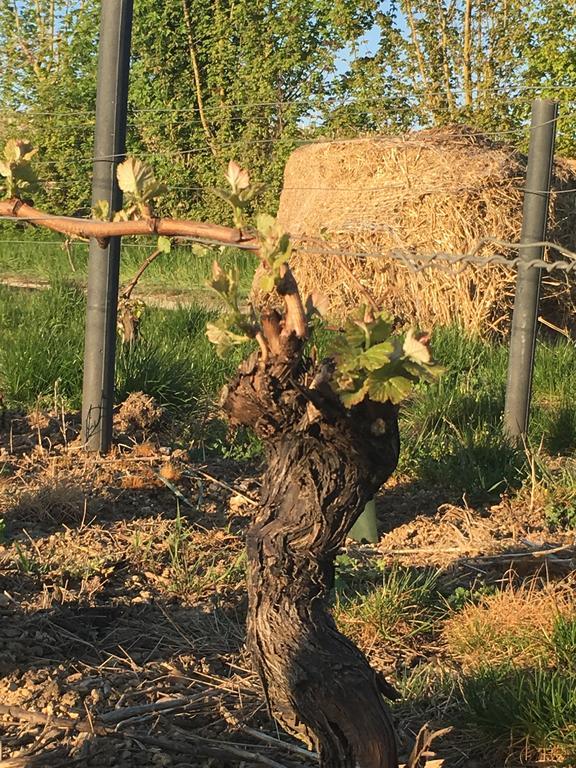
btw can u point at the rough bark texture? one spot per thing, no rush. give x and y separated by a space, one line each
323 464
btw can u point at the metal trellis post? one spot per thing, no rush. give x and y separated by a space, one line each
104 262
526 300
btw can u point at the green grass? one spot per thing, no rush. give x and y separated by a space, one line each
452 430
174 361
42 344
512 706
563 642
511 688
193 568
185 269
396 606
554 481
534 707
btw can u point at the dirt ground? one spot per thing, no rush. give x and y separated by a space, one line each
122 601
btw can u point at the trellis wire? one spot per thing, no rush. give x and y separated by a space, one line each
416 262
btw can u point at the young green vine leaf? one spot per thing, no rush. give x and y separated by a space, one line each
235 327
371 361
137 181
241 193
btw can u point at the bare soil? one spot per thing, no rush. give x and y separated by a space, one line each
122 597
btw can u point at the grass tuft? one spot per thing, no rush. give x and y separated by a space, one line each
195 568
402 607
534 708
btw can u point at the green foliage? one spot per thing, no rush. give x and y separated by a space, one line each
36 253
29 562
551 62
462 596
48 53
16 169
240 325
372 362
252 80
221 333
164 244
237 445
242 79
556 481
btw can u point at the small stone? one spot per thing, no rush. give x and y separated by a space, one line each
161 759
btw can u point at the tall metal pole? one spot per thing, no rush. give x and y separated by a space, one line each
526 300
104 262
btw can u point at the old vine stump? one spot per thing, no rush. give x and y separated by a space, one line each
323 463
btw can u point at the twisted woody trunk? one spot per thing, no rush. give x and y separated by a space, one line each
324 462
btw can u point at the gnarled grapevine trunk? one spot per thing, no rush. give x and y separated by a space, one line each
324 462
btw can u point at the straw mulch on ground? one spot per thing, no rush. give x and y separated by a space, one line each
432 191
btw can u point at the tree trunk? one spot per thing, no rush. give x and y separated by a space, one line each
323 463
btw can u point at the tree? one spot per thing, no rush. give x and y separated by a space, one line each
48 89
470 61
551 62
212 79
457 57
242 80
331 434
209 80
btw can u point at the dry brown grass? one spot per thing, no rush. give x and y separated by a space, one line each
55 501
512 626
434 191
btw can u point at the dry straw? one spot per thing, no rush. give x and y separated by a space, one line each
513 626
432 191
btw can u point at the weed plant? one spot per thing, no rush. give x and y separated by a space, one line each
555 485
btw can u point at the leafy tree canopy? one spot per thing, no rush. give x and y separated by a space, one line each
214 79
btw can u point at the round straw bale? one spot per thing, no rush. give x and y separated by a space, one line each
349 205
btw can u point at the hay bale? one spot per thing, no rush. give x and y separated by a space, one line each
432 191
